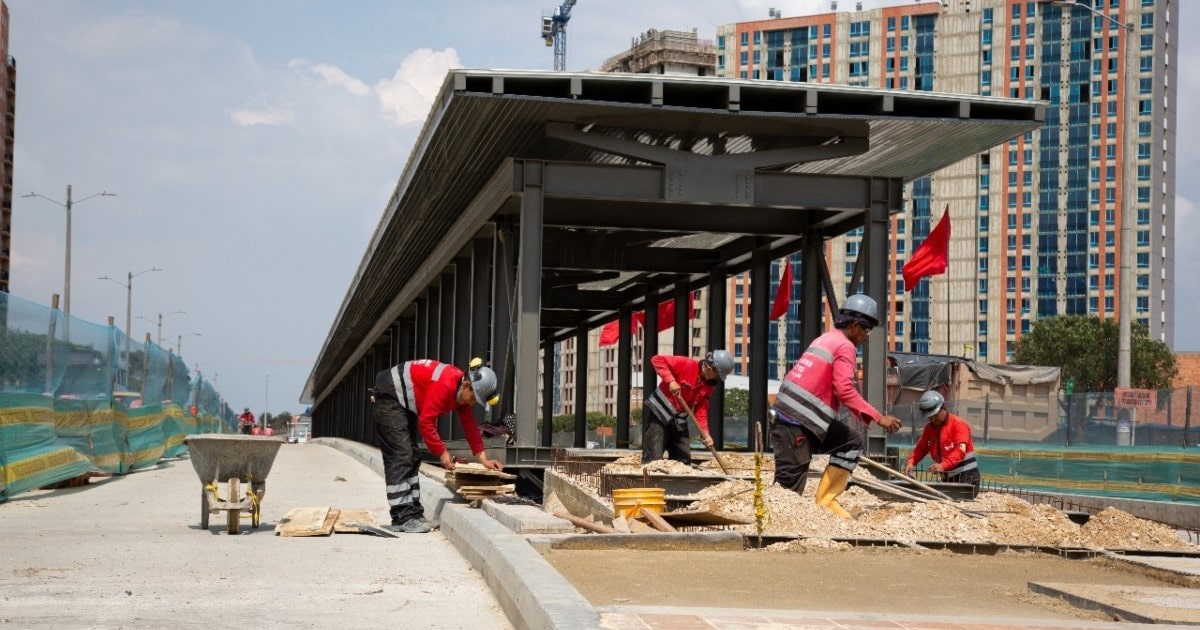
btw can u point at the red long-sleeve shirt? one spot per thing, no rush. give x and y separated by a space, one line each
942 443
432 387
693 388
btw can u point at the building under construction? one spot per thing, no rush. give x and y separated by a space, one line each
666 52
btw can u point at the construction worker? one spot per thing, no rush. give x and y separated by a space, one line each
805 419
666 422
947 441
246 421
407 400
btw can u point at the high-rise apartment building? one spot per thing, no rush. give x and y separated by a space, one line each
8 91
1036 222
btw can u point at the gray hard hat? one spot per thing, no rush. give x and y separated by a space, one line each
930 403
484 382
859 304
721 362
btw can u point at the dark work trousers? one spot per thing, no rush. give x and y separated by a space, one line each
671 434
971 476
397 430
794 447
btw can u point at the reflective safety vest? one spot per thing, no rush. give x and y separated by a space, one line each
822 379
429 389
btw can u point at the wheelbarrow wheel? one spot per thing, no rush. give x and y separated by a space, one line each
203 507
234 516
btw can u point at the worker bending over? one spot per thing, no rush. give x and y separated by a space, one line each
947 440
805 411
666 422
407 400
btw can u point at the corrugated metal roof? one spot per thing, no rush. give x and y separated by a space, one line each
482 117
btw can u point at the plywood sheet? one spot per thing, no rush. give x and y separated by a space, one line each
312 521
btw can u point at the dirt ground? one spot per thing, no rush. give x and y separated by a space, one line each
863 579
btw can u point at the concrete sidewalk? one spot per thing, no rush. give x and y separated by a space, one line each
128 552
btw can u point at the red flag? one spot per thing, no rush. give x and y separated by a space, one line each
932 257
783 294
610 333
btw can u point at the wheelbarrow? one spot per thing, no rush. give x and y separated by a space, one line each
236 460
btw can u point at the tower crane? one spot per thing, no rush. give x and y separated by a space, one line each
554 32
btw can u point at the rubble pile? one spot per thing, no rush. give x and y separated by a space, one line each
999 519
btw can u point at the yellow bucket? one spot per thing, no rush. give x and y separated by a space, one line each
628 501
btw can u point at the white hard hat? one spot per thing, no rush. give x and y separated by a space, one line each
930 403
864 305
484 382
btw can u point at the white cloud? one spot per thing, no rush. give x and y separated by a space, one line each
406 97
335 76
272 116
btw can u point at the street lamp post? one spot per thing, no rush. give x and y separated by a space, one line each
67 264
1128 216
128 284
179 342
158 340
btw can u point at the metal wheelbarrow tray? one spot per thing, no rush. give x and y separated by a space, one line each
235 459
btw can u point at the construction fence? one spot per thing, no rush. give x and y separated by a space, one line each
78 397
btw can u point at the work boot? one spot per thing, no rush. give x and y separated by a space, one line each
417 525
833 483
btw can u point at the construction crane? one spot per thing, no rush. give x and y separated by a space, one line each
554 32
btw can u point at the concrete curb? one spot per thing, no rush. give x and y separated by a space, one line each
531 592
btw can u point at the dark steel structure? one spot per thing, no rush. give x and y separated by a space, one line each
536 206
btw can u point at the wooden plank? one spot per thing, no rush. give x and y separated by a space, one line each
493 489
656 521
306 522
345 517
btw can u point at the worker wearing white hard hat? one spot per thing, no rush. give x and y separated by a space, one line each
947 440
406 402
805 419
682 380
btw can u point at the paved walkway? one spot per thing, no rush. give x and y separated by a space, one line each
129 553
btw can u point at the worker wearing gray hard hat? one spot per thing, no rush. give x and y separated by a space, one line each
805 411
947 441
682 380
406 402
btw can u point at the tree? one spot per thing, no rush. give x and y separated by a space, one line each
737 402
281 423
565 423
1086 350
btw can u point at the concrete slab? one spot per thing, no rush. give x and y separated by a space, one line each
1140 604
527 519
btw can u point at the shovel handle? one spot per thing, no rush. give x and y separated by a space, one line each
927 488
711 449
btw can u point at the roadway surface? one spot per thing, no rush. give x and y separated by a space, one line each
128 552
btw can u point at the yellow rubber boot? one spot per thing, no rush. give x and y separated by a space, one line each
833 483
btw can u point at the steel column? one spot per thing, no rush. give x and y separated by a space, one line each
760 300
503 281
683 329
547 394
649 349
885 193
812 306
481 290
581 383
529 304
717 303
624 372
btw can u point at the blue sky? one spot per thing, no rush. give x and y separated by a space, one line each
253 145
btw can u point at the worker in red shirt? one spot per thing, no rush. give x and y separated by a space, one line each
947 440
805 419
246 421
407 400
666 423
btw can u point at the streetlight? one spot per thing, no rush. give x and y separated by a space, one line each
67 265
1126 297
160 316
128 284
179 342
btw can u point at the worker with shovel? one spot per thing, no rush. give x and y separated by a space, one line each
805 411
683 383
406 400
947 441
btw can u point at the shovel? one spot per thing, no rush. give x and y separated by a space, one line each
711 449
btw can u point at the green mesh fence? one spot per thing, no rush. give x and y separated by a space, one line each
77 397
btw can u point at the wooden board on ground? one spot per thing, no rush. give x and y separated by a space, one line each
700 518
473 493
345 517
315 521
